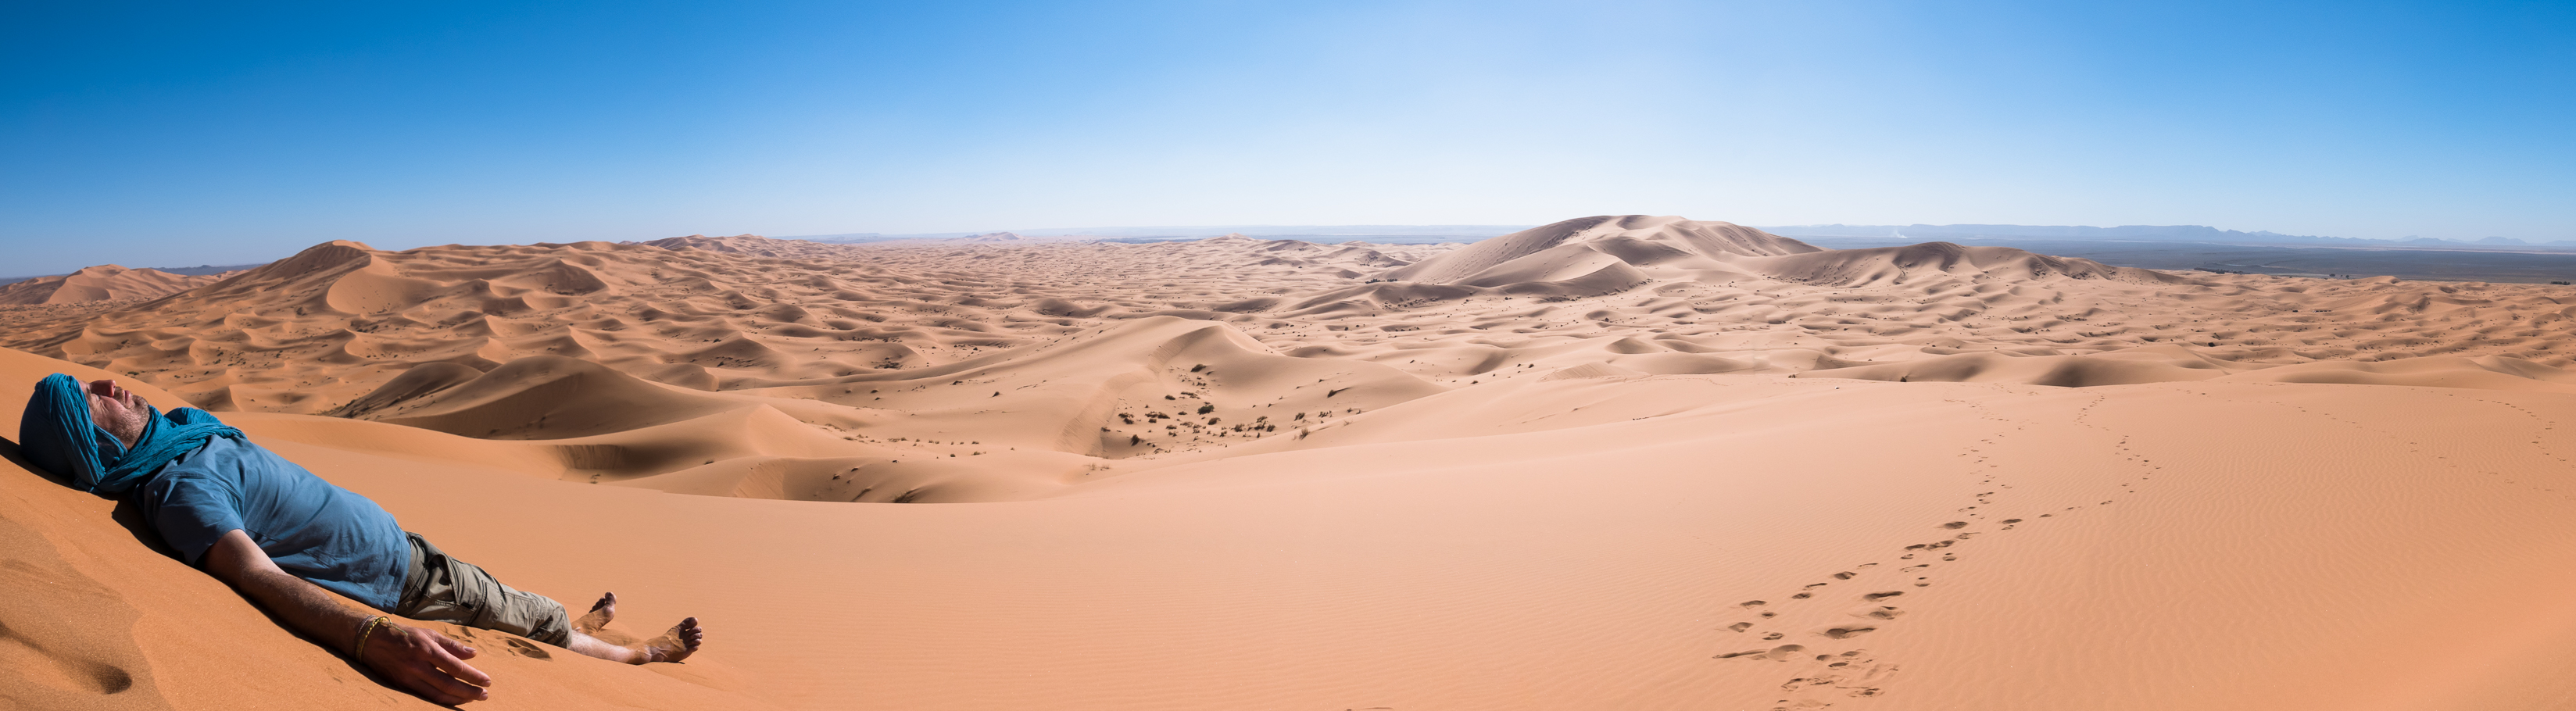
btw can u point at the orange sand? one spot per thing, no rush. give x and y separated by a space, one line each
1552 470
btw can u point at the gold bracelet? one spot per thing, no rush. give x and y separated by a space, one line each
359 651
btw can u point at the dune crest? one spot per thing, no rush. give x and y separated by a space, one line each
570 341
434 336
1943 260
750 244
103 283
1636 240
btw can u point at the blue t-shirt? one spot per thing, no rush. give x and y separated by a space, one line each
311 528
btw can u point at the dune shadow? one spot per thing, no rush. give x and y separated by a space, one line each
127 513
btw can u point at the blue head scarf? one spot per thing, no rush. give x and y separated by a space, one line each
57 434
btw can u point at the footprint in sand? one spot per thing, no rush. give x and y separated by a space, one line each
35 665
1847 631
527 649
1780 653
1852 675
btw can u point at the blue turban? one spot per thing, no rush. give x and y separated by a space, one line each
57 434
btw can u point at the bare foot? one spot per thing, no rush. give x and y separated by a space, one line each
677 644
601 613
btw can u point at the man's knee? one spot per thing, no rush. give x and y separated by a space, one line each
445 589
533 616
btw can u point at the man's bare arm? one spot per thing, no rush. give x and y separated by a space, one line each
423 661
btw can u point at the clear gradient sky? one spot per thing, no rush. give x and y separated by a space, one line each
189 133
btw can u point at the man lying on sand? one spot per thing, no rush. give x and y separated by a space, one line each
281 536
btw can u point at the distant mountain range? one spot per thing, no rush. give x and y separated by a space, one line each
2131 233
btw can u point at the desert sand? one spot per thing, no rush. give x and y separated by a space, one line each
1619 462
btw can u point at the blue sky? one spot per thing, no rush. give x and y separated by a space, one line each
180 134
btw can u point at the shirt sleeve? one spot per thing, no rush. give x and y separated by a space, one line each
192 513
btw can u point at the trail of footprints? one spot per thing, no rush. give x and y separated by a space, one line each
1822 668
2539 441
1823 671
1823 664
2415 445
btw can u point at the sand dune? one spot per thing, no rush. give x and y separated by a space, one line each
1614 462
102 283
1635 240
1946 263
2161 364
545 397
754 245
873 348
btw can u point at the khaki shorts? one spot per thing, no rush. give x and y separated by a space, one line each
444 589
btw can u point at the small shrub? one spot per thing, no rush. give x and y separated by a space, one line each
1205 409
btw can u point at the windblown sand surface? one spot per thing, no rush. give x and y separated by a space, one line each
1615 463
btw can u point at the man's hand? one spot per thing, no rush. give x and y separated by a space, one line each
420 661
426 662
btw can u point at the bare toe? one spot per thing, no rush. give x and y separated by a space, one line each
676 644
601 613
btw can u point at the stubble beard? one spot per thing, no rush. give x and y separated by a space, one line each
126 423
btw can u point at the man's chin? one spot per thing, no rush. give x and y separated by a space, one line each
126 425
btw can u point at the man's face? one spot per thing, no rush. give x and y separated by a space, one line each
116 410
